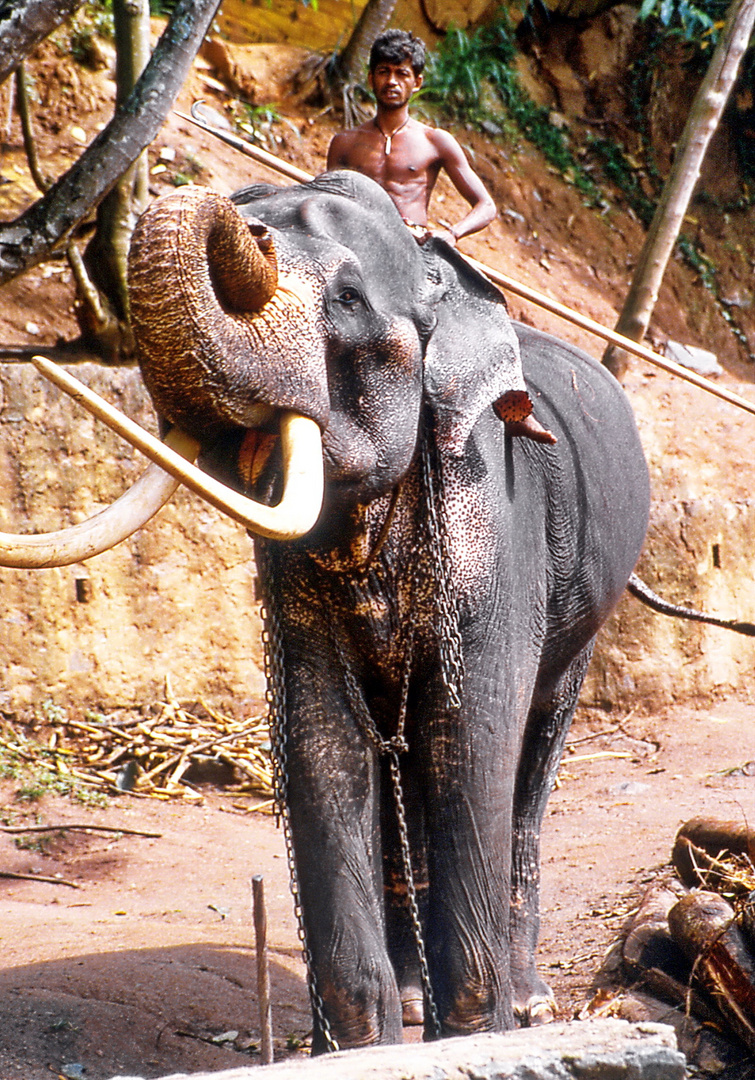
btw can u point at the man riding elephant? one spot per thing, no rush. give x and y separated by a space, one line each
405 157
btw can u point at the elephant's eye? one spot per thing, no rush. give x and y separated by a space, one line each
348 296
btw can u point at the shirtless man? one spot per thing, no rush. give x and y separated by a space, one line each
405 157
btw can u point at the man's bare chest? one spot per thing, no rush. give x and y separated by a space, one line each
396 159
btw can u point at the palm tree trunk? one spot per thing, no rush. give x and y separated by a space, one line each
355 56
702 122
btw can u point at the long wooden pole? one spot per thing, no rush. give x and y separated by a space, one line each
263 157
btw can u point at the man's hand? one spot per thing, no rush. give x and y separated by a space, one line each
443 233
422 233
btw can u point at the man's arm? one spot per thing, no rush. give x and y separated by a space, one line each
337 151
467 183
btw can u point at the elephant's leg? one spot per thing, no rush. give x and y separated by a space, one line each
402 940
545 735
334 782
469 801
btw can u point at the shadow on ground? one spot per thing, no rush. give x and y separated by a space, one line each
147 1012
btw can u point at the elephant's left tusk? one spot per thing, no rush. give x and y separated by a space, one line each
102 531
300 505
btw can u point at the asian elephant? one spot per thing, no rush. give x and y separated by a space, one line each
428 638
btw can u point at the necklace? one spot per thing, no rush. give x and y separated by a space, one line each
392 135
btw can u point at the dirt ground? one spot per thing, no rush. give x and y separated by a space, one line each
147 966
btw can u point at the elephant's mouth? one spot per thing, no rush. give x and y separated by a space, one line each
259 464
297 441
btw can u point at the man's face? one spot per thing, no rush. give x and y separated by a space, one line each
394 84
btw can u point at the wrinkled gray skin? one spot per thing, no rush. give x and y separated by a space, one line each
541 541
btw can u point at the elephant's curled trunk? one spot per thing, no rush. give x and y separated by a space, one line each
195 330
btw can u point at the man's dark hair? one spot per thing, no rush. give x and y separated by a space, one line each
396 46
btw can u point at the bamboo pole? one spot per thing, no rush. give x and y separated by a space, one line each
263 157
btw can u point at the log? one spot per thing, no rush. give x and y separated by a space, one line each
716 836
648 943
705 927
715 855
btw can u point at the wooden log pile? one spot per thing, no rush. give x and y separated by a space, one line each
166 755
691 942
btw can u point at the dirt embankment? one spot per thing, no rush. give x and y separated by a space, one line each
132 631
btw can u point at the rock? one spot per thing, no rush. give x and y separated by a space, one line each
260 74
689 356
587 1050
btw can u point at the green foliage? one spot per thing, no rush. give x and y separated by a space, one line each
708 271
41 770
457 71
705 268
39 780
33 842
696 23
623 173
473 78
52 713
78 37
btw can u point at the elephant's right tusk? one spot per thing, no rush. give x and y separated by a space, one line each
300 505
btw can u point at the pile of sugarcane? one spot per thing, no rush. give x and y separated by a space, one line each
166 755
692 940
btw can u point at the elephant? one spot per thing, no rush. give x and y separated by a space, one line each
429 628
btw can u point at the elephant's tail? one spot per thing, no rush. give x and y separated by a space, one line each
637 587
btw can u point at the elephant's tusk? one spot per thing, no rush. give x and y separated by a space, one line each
104 530
301 444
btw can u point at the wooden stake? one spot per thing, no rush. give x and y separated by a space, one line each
263 969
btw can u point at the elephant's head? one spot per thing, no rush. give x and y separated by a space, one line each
312 301
308 299
316 299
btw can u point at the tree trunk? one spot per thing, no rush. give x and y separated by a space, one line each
371 23
107 254
24 23
702 121
35 233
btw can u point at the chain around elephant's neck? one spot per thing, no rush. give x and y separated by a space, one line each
449 635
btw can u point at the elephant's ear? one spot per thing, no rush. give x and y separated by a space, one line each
472 357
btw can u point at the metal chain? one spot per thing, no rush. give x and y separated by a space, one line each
411 893
452 673
449 635
391 748
276 702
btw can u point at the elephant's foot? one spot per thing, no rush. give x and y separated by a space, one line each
530 429
534 1003
361 1012
537 1010
412 1008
